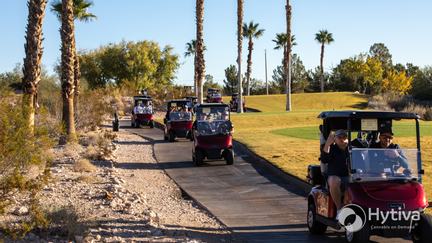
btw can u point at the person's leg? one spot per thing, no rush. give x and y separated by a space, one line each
335 190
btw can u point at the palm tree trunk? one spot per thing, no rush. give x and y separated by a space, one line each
195 76
239 53
77 76
33 58
288 57
67 68
200 47
322 67
249 67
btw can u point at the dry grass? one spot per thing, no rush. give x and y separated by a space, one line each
65 221
87 179
92 153
84 165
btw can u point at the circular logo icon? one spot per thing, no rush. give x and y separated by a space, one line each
352 217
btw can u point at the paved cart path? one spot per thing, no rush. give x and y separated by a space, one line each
253 202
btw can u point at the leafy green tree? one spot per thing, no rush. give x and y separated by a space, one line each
382 53
373 76
349 74
422 84
397 82
210 83
140 65
251 31
299 76
230 81
324 38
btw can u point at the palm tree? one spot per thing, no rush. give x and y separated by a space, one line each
239 53
67 67
80 8
191 50
287 64
323 37
251 31
281 42
200 62
33 58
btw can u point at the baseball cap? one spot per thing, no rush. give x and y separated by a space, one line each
341 133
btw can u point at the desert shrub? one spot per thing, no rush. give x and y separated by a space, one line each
93 108
84 165
65 221
21 150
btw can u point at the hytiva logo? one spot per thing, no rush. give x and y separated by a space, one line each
352 217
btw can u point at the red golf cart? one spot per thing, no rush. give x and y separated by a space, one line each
212 131
234 102
142 113
214 96
178 120
383 195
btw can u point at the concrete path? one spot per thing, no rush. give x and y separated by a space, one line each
256 204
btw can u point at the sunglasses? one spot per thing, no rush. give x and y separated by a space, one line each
386 137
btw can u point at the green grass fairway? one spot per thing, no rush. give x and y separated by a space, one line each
290 141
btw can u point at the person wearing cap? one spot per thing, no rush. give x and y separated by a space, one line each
335 154
392 152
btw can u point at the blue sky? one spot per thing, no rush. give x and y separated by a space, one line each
404 26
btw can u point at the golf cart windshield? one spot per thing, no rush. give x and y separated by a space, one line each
180 116
217 113
215 127
384 164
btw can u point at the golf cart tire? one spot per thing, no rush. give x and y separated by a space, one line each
171 136
152 124
229 156
360 236
422 232
198 158
165 136
315 227
132 124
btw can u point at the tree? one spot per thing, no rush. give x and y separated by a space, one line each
80 8
210 83
324 38
191 50
281 41
239 54
138 65
287 64
33 58
382 53
230 81
422 84
67 68
397 82
299 76
251 31
349 74
200 63
373 76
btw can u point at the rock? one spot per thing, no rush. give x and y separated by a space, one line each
56 170
21 211
157 232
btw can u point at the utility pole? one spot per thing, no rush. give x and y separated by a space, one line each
265 58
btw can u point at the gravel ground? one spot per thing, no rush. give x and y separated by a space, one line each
128 198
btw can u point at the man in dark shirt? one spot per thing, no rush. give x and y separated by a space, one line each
335 154
393 155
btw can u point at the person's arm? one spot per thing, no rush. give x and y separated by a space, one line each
325 155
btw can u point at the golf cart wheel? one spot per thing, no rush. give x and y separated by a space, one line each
152 124
171 137
421 233
165 136
198 157
315 227
229 156
132 124
360 236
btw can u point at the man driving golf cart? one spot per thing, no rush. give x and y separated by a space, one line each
212 131
380 181
178 120
142 113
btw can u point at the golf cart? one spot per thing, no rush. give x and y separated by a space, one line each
234 102
142 113
212 131
381 182
213 96
178 120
